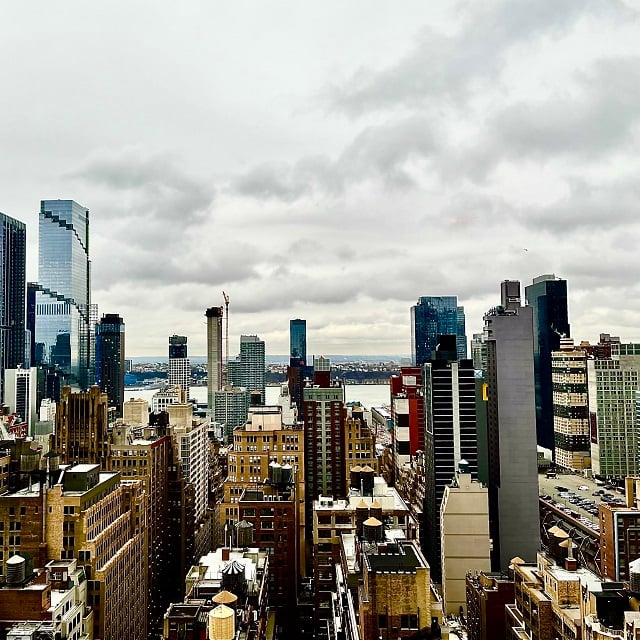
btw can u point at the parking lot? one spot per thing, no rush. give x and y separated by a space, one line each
576 494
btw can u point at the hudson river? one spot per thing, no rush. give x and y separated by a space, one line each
369 395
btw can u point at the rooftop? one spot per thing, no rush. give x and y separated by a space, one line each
402 557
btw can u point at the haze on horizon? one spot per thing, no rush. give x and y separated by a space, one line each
330 161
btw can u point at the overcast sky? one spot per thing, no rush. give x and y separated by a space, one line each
330 160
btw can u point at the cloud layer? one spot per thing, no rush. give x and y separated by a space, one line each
337 172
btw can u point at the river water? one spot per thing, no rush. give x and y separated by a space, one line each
369 395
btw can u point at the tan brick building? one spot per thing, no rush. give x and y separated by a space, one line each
101 520
360 442
261 441
81 427
395 597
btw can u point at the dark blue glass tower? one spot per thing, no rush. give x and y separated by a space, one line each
12 295
298 339
63 336
548 298
110 359
298 371
434 316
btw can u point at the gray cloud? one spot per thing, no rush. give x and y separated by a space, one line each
148 186
600 117
587 207
447 66
379 152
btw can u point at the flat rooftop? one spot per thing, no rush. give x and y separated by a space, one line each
400 558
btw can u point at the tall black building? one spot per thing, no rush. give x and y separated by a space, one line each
508 398
450 436
298 371
12 294
548 298
110 359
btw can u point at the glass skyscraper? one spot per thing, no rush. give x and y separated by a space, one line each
298 339
110 359
547 295
12 295
63 326
434 316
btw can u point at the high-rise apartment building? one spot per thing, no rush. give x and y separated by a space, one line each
548 298
12 295
248 370
324 437
192 448
407 414
613 383
20 393
179 366
230 409
571 422
298 339
264 447
511 429
450 437
110 359
434 316
63 323
214 353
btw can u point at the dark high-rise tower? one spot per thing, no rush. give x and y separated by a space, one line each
450 436
434 316
298 339
298 371
110 359
514 522
12 295
548 298
63 324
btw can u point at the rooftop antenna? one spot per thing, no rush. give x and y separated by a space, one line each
225 377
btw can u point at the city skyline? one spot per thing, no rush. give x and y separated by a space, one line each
417 166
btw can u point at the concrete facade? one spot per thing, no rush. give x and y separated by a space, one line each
511 424
464 532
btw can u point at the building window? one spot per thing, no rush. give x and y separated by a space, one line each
409 621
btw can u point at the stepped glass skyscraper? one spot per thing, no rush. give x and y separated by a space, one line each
63 327
433 316
12 295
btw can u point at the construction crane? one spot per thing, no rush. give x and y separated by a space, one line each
226 359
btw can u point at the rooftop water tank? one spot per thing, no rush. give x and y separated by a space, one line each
222 625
